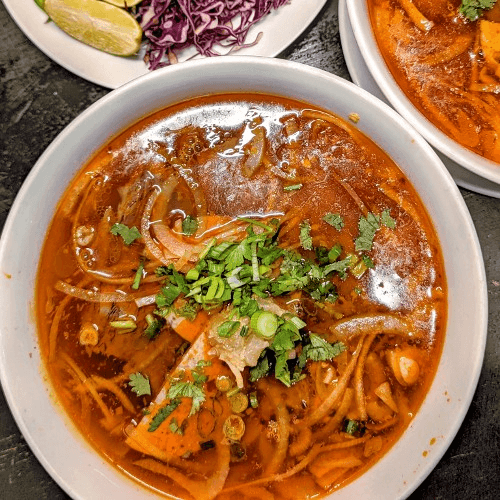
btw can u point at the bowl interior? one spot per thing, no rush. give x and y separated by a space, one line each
361 25
76 467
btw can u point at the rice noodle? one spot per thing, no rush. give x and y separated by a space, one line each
173 245
327 405
153 249
358 379
89 386
201 490
334 423
369 324
420 21
108 385
92 295
283 420
313 452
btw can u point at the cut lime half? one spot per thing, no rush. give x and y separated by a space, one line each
98 24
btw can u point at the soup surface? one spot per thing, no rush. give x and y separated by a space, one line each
241 297
447 64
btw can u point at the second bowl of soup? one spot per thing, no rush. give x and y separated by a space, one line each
436 63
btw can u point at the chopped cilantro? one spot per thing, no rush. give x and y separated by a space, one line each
228 328
162 414
473 9
368 262
189 225
129 235
174 427
368 226
387 220
305 235
140 384
188 311
153 328
334 220
281 369
188 390
261 369
320 350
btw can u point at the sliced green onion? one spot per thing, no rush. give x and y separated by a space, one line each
238 402
124 324
334 252
138 275
359 269
264 324
257 223
254 402
255 262
232 392
207 249
228 328
293 187
193 274
223 383
234 427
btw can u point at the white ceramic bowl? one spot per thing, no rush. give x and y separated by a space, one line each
361 25
53 438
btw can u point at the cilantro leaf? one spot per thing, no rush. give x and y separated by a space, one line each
387 220
305 235
140 384
163 414
189 225
320 350
334 220
228 328
188 390
129 235
188 311
472 9
281 369
368 226
153 328
261 369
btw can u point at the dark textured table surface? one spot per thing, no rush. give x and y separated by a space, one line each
39 98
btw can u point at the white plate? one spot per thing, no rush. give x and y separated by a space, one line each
362 77
280 29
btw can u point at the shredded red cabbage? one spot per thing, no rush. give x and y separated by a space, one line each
172 25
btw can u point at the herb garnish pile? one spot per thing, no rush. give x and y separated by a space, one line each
242 274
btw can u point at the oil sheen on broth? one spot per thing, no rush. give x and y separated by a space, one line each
447 65
241 297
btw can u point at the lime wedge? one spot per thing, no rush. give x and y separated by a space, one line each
98 24
123 3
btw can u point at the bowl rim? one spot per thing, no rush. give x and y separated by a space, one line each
153 82
363 33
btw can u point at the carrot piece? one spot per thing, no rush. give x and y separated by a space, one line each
189 330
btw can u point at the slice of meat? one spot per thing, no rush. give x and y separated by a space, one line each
165 443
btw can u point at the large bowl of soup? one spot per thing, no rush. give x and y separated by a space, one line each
437 65
240 278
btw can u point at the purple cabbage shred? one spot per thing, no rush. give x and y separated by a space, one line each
172 25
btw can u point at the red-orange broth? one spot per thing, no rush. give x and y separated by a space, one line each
269 236
447 65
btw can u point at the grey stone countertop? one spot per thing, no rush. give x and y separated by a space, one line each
39 98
